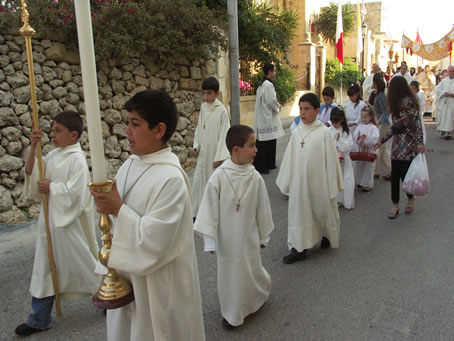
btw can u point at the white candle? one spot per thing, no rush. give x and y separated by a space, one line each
90 85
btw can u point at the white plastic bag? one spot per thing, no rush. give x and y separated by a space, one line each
417 181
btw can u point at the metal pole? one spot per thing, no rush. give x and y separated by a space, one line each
27 32
232 10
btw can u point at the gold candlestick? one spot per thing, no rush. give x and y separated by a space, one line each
114 291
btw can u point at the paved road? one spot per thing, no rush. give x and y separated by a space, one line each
389 280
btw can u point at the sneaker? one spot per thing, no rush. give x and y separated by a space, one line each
325 244
294 256
25 330
226 325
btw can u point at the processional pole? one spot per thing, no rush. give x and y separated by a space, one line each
28 32
114 291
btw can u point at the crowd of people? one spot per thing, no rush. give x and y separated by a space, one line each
331 151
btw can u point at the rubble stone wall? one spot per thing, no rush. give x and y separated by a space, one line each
59 87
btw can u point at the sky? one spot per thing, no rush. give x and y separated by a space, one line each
433 18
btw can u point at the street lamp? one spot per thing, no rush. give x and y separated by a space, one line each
363 30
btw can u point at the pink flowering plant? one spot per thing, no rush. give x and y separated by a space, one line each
160 29
245 88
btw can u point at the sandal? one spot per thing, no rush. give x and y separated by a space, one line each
387 177
394 212
410 206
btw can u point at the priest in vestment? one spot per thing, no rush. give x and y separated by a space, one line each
404 73
368 81
310 174
445 104
153 244
267 123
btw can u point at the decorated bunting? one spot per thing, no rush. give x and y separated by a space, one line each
435 51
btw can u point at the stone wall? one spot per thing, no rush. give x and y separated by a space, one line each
59 87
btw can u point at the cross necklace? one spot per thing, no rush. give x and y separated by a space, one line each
125 194
205 120
303 137
236 194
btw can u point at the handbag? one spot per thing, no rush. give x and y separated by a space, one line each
363 155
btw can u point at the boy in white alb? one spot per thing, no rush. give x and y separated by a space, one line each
209 139
153 243
236 221
310 174
71 220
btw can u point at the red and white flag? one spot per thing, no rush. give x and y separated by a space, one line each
340 36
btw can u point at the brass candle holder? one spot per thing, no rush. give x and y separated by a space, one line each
114 291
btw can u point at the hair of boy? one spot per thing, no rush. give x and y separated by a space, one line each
155 106
338 116
370 110
415 84
71 120
379 82
398 90
353 90
312 99
210 83
328 91
267 68
237 135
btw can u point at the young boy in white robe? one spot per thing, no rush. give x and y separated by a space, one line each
364 138
310 174
209 139
71 222
235 220
153 243
344 142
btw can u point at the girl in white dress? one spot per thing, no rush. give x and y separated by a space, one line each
344 142
365 137
354 106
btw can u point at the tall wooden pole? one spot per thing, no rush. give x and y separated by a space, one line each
28 33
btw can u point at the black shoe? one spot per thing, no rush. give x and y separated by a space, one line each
25 330
226 325
274 167
294 256
265 171
325 244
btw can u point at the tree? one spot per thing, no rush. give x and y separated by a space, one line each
327 21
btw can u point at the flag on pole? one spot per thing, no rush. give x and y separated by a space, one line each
359 34
418 38
340 36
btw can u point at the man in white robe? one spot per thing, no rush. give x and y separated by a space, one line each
267 123
367 84
153 244
209 139
445 104
236 228
71 222
404 73
310 174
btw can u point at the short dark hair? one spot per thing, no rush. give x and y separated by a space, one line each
379 82
415 84
267 68
328 91
155 106
70 120
237 135
312 99
353 90
210 83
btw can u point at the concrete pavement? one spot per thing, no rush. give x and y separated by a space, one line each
389 280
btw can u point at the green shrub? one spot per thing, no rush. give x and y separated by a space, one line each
284 83
349 74
122 29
